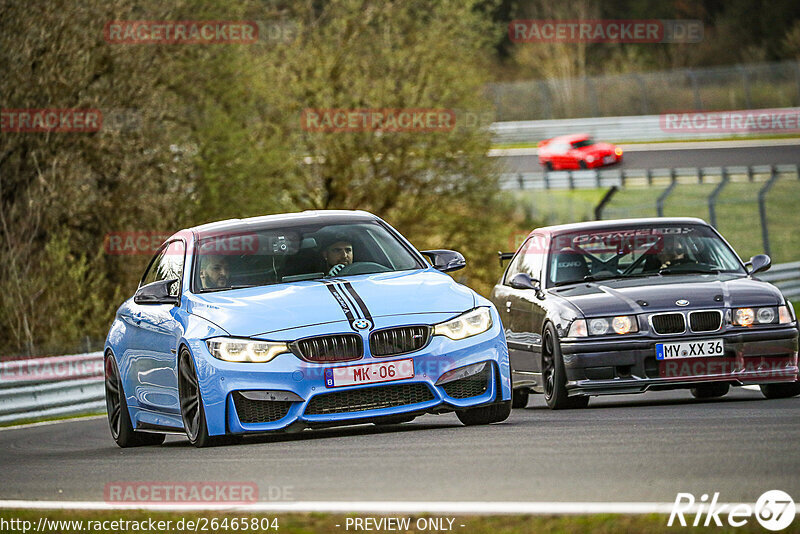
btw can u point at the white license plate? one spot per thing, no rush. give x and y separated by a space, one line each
690 349
608 159
369 373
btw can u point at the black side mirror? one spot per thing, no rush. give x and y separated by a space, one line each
523 281
758 264
156 293
446 260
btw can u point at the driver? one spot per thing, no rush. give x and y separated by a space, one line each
338 254
673 252
214 271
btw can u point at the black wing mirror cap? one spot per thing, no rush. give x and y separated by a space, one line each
156 293
446 260
523 281
758 264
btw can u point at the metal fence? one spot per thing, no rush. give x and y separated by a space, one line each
749 86
665 182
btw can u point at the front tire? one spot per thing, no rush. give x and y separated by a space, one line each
119 418
555 376
192 412
710 391
780 391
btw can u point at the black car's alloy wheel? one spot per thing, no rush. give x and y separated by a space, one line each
119 419
554 375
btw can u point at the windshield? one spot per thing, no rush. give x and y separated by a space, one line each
247 257
582 143
638 251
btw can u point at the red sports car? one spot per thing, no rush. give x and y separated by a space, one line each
577 151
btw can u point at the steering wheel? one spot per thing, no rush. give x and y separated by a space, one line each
363 267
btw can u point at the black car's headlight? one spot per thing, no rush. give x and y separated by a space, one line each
467 324
601 326
244 350
762 315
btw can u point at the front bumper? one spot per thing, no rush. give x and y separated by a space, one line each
630 366
222 382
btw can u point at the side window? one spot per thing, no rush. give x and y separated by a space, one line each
533 257
514 266
167 264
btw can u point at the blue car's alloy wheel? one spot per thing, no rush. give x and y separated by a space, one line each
119 420
194 417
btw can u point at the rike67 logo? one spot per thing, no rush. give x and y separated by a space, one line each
774 510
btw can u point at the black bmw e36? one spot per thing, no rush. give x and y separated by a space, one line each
628 306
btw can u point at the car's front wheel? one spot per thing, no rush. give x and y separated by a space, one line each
192 412
780 391
119 419
710 391
554 375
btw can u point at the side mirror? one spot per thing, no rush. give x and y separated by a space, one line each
523 281
156 293
758 264
446 260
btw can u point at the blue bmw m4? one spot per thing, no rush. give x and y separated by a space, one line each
286 322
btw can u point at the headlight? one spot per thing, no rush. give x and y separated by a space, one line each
618 151
621 324
244 350
751 316
467 324
590 159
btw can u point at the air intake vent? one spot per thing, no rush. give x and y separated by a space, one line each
395 341
371 398
471 386
259 411
668 323
705 321
335 348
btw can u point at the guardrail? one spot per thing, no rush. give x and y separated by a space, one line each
57 386
786 277
616 129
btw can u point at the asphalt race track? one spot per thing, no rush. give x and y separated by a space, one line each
643 448
662 158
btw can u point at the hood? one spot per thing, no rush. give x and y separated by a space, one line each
261 310
620 297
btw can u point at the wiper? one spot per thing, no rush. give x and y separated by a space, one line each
670 270
214 289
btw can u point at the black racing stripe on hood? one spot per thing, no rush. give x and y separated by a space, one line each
364 310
